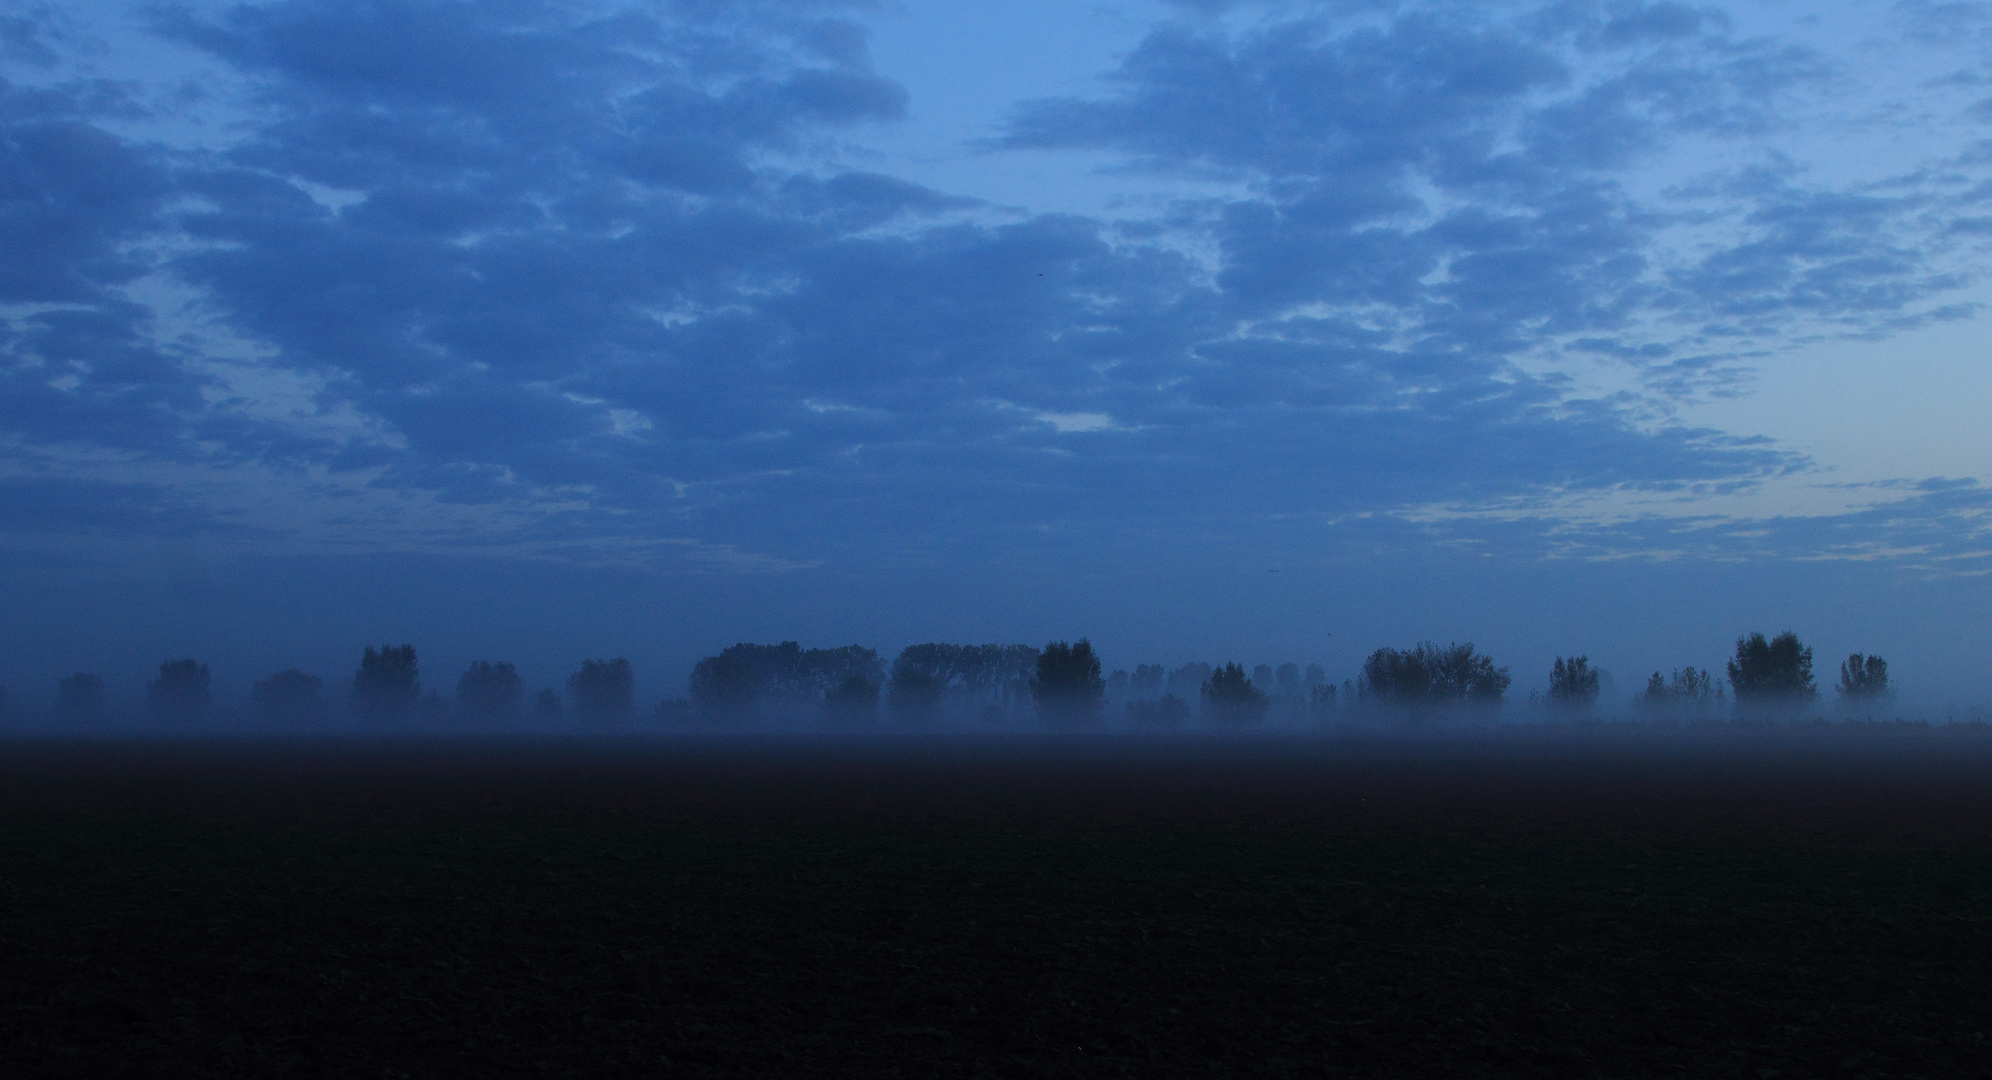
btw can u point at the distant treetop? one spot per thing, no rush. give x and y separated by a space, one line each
1573 683
1068 687
1864 678
387 684
180 693
1231 698
1779 669
1430 674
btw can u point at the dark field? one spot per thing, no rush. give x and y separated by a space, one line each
1756 905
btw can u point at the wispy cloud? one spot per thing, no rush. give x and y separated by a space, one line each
601 272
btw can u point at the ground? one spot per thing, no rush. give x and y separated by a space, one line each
1801 903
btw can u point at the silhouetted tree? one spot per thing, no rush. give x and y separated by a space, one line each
984 679
916 691
288 697
79 699
1068 688
1230 698
1165 710
1774 671
1460 674
1395 676
725 685
785 678
1572 683
1428 674
1287 678
823 671
603 692
1317 677
546 707
855 699
387 685
180 693
1146 682
1864 679
1690 691
489 693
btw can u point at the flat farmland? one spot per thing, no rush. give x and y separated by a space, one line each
1753 904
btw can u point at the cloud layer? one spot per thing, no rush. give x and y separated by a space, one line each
571 279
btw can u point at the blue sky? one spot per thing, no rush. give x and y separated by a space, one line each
1262 332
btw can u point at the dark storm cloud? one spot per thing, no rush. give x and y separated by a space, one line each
606 263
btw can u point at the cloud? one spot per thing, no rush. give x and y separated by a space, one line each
554 274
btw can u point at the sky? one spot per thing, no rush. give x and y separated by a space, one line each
538 331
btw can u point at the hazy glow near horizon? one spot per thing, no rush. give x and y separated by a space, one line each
1604 327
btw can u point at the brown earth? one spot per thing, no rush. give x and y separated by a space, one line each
1600 902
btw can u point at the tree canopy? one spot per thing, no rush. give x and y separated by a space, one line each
1430 674
387 684
490 693
1068 687
973 678
1779 669
1863 678
747 677
1229 697
603 692
1573 683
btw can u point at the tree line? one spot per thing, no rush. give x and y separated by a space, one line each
385 689
1764 675
1061 683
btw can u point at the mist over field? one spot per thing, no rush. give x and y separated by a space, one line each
1420 689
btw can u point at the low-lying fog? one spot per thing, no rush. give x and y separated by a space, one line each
1062 687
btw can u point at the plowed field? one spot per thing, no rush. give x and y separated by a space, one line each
1740 904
